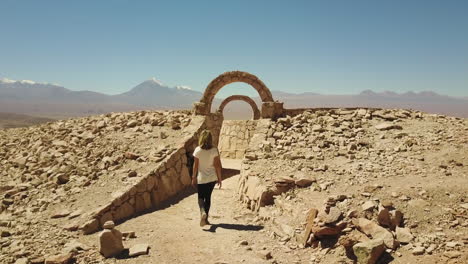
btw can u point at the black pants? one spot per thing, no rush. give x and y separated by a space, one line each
204 196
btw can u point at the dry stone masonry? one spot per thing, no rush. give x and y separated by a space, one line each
269 109
162 182
234 138
250 101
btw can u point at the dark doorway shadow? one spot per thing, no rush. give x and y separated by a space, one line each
239 227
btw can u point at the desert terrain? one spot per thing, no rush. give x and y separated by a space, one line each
11 120
308 189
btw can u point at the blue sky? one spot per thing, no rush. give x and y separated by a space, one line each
334 47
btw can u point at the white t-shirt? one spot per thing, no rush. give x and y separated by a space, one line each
206 169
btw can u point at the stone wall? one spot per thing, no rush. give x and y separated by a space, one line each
170 177
235 137
253 191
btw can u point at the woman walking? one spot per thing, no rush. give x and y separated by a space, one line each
206 173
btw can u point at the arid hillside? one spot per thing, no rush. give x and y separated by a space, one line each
334 178
10 120
318 186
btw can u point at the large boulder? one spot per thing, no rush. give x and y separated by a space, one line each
376 232
404 235
110 241
369 252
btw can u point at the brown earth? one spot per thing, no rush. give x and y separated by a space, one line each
419 164
11 120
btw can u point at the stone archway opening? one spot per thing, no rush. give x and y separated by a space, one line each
233 138
244 98
269 108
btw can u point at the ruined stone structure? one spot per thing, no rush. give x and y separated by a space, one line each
270 108
250 101
161 183
235 137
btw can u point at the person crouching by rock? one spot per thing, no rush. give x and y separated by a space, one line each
206 173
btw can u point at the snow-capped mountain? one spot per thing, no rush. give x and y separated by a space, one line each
154 93
29 97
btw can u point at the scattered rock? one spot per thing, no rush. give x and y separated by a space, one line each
404 235
22 261
132 123
243 243
74 247
39 260
60 259
138 249
110 243
387 126
108 225
60 214
132 156
369 252
375 231
304 182
324 231
129 234
90 226
418 250
62 178
383 217
264 254
333 216
452 254
311 215
368 206
4 232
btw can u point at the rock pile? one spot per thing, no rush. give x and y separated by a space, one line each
110 241
46 168
382 160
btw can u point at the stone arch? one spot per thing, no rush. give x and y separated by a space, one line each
204 107
250 101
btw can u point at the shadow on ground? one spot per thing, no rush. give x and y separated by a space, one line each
189 190
238 227
227 173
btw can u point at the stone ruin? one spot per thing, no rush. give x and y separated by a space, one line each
275 133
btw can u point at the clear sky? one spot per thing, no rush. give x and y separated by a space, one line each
335 47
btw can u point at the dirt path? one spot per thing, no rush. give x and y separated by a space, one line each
175 236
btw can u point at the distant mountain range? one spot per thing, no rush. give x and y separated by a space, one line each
426 101
50 100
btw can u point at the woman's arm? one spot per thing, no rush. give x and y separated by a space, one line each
218 168
195 171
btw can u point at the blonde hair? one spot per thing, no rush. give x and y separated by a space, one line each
205 141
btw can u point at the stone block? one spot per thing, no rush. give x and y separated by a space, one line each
369 252
106 217
147 200
123 212
110 243
90 227
376 232
150 183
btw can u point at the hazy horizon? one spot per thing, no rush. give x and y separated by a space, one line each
295 47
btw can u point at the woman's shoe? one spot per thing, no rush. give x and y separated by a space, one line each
203 219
